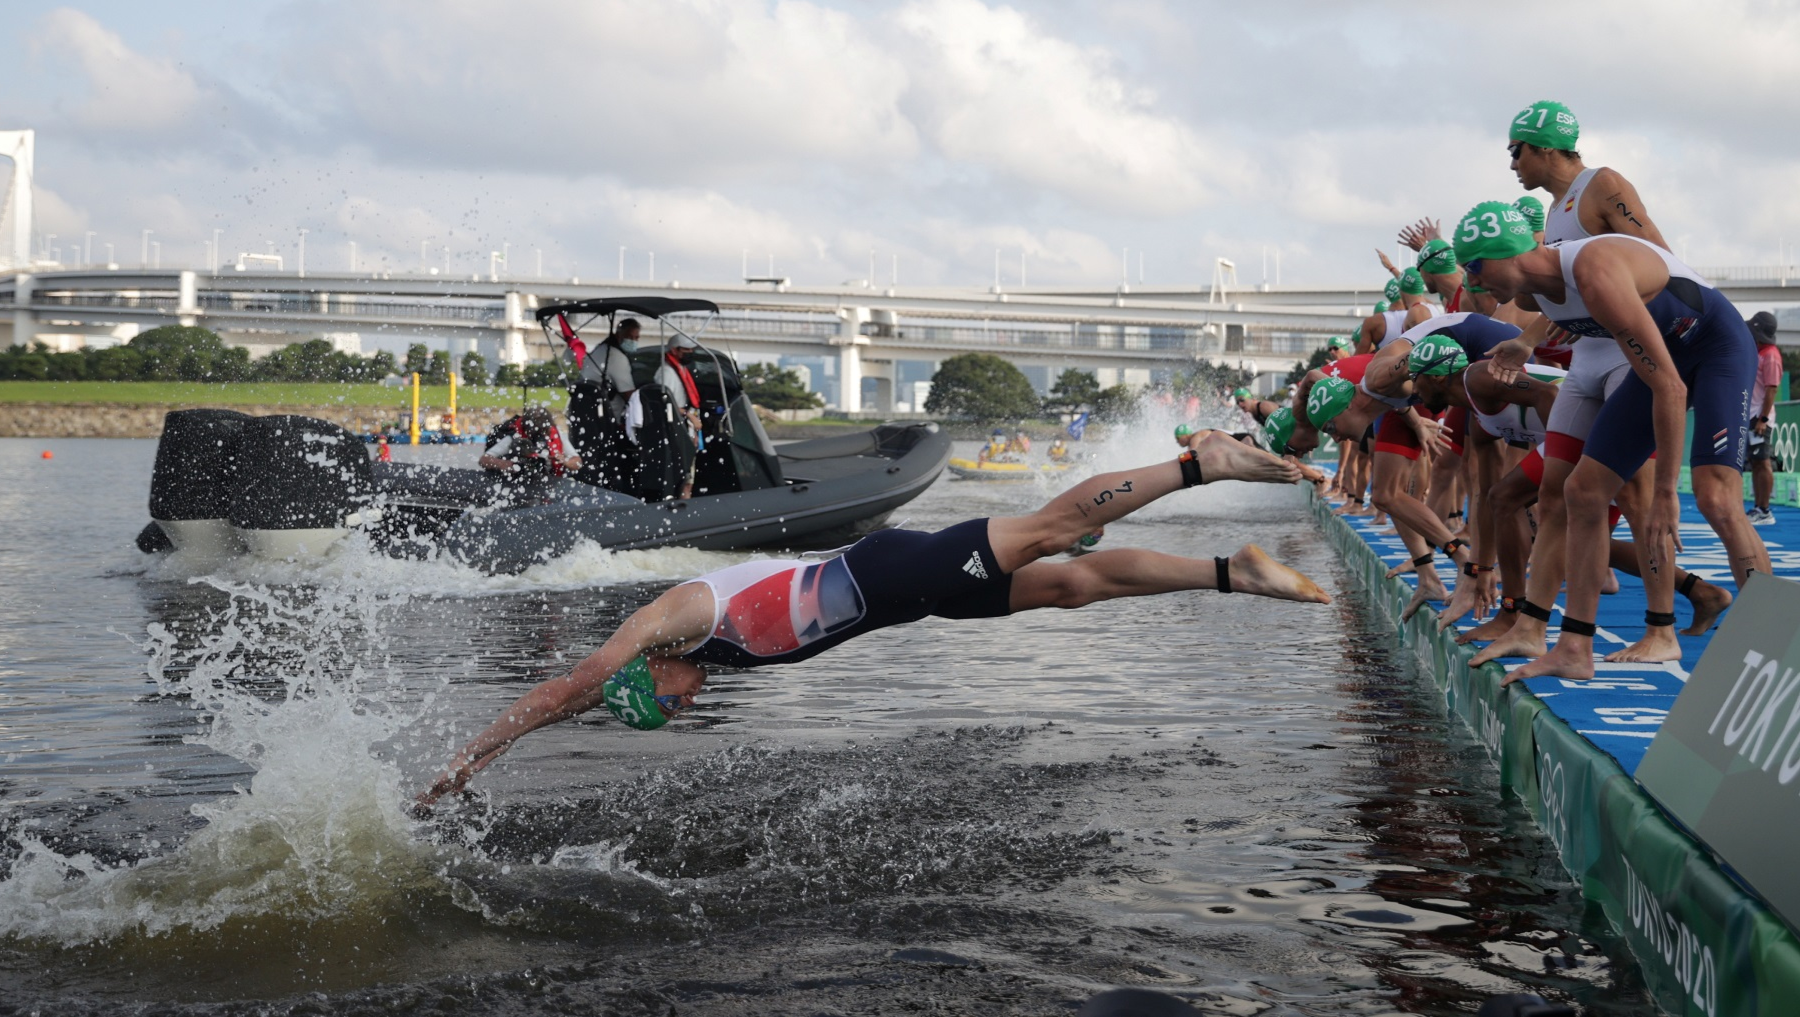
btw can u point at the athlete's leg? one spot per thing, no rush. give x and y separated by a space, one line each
1719 493
1659 642
1096 501
1545 578
1587 495
1708 600
1506 504
1130 572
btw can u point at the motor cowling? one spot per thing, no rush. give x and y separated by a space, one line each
304 483
194 482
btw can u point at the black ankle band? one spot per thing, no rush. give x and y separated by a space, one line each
1453 545
1422 560
1190 470
1574 627
1224 567
1686 588
1530 610
1659 618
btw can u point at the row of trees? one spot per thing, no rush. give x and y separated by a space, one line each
986 388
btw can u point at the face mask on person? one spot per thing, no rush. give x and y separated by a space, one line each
628 345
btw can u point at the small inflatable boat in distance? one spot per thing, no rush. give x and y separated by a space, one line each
282 487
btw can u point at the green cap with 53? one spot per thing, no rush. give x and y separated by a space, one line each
1492 229
1546 124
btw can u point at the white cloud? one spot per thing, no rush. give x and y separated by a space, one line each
127 91
991 87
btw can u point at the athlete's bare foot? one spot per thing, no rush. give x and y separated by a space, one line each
1709 602
1222 458
1430 588
1489 630
1348 508
1659 644
1378 517
1565 661
1611 585
1524 639
1468 596
1253 571
1402 569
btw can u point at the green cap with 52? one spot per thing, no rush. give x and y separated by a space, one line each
1546 124
1328 398
1492 229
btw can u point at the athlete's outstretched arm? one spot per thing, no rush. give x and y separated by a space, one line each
671 623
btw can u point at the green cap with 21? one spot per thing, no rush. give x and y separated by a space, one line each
1546 124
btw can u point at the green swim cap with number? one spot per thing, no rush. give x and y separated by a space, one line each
1182 430
1329 397
1338 342
1242 393
1381 307
1437 257
1533 211
1492 229
1412 282
1279 428
1546 124
1392 290
1436 354
630 695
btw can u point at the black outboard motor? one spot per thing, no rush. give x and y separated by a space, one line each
305 482
195 480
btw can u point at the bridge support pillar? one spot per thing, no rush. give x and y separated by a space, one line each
512 347
850 341
187 303
24 324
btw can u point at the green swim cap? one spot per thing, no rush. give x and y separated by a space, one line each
1329 397
1392 290
630 695
1492 229
1242 393
1533 210
1182 430
1437 257
1279 428
1338 342
1546 124
1381 307
1436 354
1412 282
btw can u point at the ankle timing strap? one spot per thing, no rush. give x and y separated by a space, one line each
1224 567
1686 588
1659 618
1422 560
1453 545
1190 469
1530 610
1573 627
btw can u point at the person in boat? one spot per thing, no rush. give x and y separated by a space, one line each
1020 444
765 613
597 400
684 395
1058 451
526 453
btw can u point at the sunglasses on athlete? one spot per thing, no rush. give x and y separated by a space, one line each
1472 267
1514 149
669 705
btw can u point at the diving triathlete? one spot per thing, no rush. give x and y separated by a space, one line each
1687 346
1259 409
762 613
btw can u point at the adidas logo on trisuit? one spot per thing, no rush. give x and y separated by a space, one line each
973 566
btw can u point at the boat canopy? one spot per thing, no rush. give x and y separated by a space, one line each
649 307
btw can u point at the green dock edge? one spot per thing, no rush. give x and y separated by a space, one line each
1706 945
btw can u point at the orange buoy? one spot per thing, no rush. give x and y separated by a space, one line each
49 454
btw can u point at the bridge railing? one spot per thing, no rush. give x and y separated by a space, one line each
1782 274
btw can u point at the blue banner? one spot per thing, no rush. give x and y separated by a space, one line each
1078 426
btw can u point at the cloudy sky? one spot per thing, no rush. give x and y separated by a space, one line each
929 132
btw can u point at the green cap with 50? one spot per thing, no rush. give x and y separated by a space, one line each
1546 124
1328 398
630 695
1533 210
1436 354
1437 257
1492 229
1392 290
1279 428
